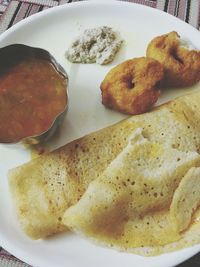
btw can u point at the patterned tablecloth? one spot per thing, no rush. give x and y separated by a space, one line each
12 11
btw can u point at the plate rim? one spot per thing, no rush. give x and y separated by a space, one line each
8 246
84 3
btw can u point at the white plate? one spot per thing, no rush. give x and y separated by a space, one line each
53 30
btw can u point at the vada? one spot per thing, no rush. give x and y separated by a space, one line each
182 65
132 87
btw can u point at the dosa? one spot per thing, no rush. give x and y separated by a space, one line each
43 189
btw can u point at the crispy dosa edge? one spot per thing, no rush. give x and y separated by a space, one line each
66 172
128 205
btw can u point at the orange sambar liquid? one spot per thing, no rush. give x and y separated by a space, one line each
32 95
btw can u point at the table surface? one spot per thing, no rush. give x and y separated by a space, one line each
12 11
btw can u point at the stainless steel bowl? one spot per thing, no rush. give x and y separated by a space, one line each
16 52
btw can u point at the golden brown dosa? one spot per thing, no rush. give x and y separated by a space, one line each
128 206
45 187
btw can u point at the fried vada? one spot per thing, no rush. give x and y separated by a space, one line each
181 63
132 86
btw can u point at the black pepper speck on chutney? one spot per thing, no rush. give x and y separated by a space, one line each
32 95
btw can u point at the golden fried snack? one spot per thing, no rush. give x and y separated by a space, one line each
182 65
131 87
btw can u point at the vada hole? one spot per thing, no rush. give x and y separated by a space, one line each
176 57
129 81
158 85
130 84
